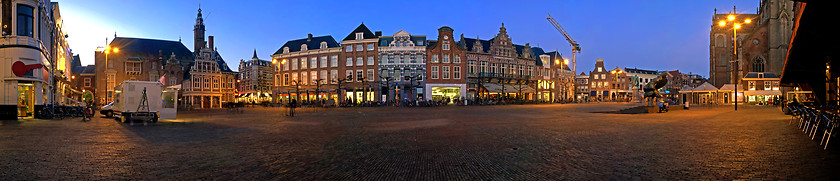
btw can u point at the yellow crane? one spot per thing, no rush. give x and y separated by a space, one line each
574 44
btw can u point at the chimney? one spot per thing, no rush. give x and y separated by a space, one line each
378 33
210 38
309 37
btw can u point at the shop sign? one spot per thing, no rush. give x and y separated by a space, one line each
20 69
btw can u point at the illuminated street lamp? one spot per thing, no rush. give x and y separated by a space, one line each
735 27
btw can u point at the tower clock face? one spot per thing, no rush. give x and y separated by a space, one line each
445 37
755 42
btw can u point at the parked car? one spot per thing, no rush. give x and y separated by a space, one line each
107 110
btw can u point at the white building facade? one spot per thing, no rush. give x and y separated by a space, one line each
29 58
402 66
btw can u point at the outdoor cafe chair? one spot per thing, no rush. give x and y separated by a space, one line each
810 115
796 114
819 119
831 126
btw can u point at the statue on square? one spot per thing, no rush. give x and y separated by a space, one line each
651 89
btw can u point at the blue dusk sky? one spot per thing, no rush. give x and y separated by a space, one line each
647 34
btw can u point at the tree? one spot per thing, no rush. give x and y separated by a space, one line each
387 84
318 89
338 90
296 83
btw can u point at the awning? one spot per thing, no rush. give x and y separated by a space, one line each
73 100
763 93
508 88
813 43
174 87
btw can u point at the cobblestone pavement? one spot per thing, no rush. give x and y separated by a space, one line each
525 142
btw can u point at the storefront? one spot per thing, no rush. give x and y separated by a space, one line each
762 96
26 100
446 93
449 92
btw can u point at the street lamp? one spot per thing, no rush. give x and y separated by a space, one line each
107 50
735 27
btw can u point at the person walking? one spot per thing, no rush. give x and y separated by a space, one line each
292 105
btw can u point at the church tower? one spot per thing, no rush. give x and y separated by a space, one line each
198 32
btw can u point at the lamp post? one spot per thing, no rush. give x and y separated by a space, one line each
411 80
388 86
107 50
735 27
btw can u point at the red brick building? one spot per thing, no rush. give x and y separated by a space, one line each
359 53
445 65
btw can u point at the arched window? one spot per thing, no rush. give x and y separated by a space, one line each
303 47
784 27
719 41
323 45
758 64
285 49
723 59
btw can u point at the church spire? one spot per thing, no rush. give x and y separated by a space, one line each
255 54
198 33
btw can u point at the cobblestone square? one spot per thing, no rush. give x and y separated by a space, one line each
519 142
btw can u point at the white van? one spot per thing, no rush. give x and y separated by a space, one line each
127 98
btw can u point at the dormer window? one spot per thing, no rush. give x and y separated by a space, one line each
285 49
303 47
360 35
323 45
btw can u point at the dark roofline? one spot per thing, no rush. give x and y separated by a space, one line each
294 45
366 33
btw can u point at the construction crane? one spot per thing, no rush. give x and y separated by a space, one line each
574 44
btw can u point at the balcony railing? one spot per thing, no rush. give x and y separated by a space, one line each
501 75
